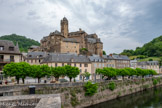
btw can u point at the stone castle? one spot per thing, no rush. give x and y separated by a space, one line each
70 42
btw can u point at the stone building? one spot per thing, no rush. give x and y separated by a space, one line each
154 65
9 53
121 61
80 61
70 42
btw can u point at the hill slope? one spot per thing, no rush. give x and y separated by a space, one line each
152 48
24 43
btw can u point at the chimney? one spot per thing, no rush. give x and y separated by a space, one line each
101 54
80 29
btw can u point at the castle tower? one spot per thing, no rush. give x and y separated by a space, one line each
64 27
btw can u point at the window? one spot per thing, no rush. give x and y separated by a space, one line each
11 48
1 48
80 70
31 61
30 55
80 77
12 58
55 64
40 55
95 65
85 65
85 70
62 64
75 64
1 57
80 65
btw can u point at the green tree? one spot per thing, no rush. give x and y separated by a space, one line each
131 71
57 72
23 69
11 70
108 72
152 72
123 72
38 71
71 72
85 74
104 53
139 71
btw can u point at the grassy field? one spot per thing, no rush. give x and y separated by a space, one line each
146 59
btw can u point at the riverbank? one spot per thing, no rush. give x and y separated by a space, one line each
73 94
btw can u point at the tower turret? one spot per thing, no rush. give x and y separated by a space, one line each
64 27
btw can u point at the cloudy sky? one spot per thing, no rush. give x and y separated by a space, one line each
121 24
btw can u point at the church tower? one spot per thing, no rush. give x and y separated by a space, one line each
64 27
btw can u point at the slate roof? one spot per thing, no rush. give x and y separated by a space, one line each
148 63
96 58
6 44
36 55
70 40
107 57
120 57
54 57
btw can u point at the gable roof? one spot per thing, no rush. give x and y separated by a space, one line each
54 57
6 44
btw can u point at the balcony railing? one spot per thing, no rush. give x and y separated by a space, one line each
6 60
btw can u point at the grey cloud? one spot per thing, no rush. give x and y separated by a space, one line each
115 22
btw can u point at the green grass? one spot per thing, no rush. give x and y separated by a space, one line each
147 59
131 57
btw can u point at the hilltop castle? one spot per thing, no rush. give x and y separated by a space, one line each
70 42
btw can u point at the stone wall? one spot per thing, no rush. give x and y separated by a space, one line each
31 101
72 94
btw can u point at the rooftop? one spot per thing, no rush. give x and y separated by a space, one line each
8 47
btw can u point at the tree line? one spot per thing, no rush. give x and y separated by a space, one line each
113 73
153 48
22 70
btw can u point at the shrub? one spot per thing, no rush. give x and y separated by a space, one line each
112 85
90 89
155 82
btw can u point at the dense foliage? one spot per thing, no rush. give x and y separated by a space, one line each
112 85
23 69
17 70
112 73
90 89
24 43
104 52
153 48
71 72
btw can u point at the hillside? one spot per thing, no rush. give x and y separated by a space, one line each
150 49
24 43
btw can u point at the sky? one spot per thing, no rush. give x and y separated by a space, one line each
121 24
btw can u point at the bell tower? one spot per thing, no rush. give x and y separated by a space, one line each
64 27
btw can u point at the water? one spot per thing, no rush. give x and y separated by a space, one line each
151 98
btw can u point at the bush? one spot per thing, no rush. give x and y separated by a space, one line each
112 85
90 89
155 82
